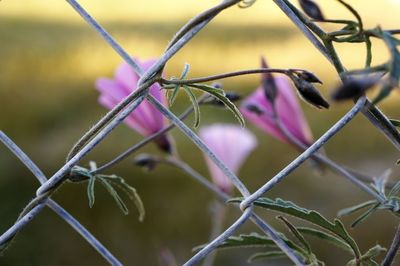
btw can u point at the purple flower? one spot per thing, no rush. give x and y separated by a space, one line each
232 144
259 110
145 119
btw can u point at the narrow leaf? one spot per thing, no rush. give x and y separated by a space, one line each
220 95
195 104
130 192
296 233
172 97
326 237
355 208
365 215
90 191
308 215
255 240
114 194
395 122
395 189
275 254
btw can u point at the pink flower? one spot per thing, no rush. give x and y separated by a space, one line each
145 119
232 144
258 109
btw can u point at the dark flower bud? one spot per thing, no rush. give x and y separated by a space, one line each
146 161
268 83
254 109
163 143
308 76
353 88
311 9
309 93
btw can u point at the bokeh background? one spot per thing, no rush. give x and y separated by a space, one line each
49 60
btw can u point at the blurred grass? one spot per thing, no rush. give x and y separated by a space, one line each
49 61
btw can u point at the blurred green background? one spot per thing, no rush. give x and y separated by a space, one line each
49 60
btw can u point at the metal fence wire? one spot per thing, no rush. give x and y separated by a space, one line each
114 117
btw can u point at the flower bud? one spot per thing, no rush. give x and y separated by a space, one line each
353 88
309 93
268 84
312 9
308 76
254 109
146 161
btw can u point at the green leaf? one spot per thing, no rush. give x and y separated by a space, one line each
308 215
90 191
274 254
297 234
380 183
365 215
114 194
383 93
395 122
255 240
129 191
220 95
195 104
373 252
172 97
391 43
326 237
395 189
367 257
241 241
355 208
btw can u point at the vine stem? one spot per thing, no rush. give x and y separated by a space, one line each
306 154
228 75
